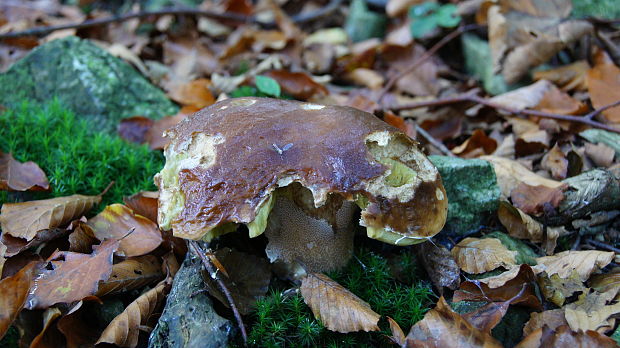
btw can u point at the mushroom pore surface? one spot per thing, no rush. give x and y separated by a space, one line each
225 163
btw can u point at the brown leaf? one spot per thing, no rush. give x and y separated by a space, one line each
24 220
556 163
124 330
519 224
477 256
49 335
297 84
439 265
442 327
76 324
17 245
584 262
422 81
144 203
246 276
477 145
603 84
524 97
398 336
557 102
17 176
557 290
591 312
72 276
533 199
513 289
242 7
553 319
337 308
139 235
2 257
154 136
488 316
14 293
134 129
82 239
133 273
563 337
601 154
511 173
568 77
194 93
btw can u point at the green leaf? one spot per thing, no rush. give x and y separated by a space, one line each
244 91
422 26
446 16
429 15
268 86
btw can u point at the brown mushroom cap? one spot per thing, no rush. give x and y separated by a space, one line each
224 162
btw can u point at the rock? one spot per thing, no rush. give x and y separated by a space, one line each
363 24
88 80
478 63
473 194
189 319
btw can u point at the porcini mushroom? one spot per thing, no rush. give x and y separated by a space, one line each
297 171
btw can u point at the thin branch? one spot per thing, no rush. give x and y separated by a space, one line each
468 97
426 56
300 18
205 261
603 245
433 141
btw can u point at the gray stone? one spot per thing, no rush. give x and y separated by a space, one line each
473 194
189 319
88 80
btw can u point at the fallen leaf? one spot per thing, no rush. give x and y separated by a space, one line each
137 234
518 224
563 337
72 276
557 102
439 265
155 135
133 273
568 77
134 129
477 256
535 199
24 220
477 145
297 84
605 282
144 203
76 324
422 81
532 142
601 154
557 290
524 97
553 319
337 308
194 93
584 262
49 335
591 312
2 257
124 330
603 84
488 316
442 327
17 245
398 336
14 293
17 176
556 163
246 277
82 238
511 173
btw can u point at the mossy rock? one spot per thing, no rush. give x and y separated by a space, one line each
89 81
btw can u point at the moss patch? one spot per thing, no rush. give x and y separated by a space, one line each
75 158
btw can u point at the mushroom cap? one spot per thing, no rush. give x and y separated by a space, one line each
224 162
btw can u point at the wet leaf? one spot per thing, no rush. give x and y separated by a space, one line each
603 84
297 84
584 262
124 330
72 276
268 85
14 293
138 235
553 319
17 176
477 256
131 274
24 220
337 308
144 203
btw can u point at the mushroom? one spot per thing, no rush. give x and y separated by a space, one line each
297 172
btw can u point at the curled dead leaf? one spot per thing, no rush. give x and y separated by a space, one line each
14 293
144 203
584 262
537 200
133 273
298 84
477 256
563 336
477 145
511 173
17 176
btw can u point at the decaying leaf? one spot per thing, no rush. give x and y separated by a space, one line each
556 163
591 312
133 273
82 239
477 145
138 235
24 220
337 308
535 199
442 327
440 265
17 245
553 319
14 293
477 256
584 262
298 84
17 176
603 84
123 331
144 203
568 77
49 335
557 290
518 224
563 337
72 276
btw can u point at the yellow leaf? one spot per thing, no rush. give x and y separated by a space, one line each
477 256
584 262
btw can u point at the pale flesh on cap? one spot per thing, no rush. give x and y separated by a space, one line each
296 171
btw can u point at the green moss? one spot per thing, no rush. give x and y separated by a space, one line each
11 338
285 320
596 8
75 157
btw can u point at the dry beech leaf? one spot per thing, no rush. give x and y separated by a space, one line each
337 308
439 265
14 293
133 273
603 84
535 200
144 203
477 145
524 97
601 154
563 337
297 84
139 235
605 282
557 102
194 93
134 129
584 262
49 335
17 176
557 290
72 276
511 173
553 319
556 163
568 77
398 336
82 239
24 220
477 256
591 312
442 327
518 224
521 288
123 331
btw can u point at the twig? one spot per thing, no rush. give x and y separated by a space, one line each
205 261
427 55
300 18
468 97
603 246
431 140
